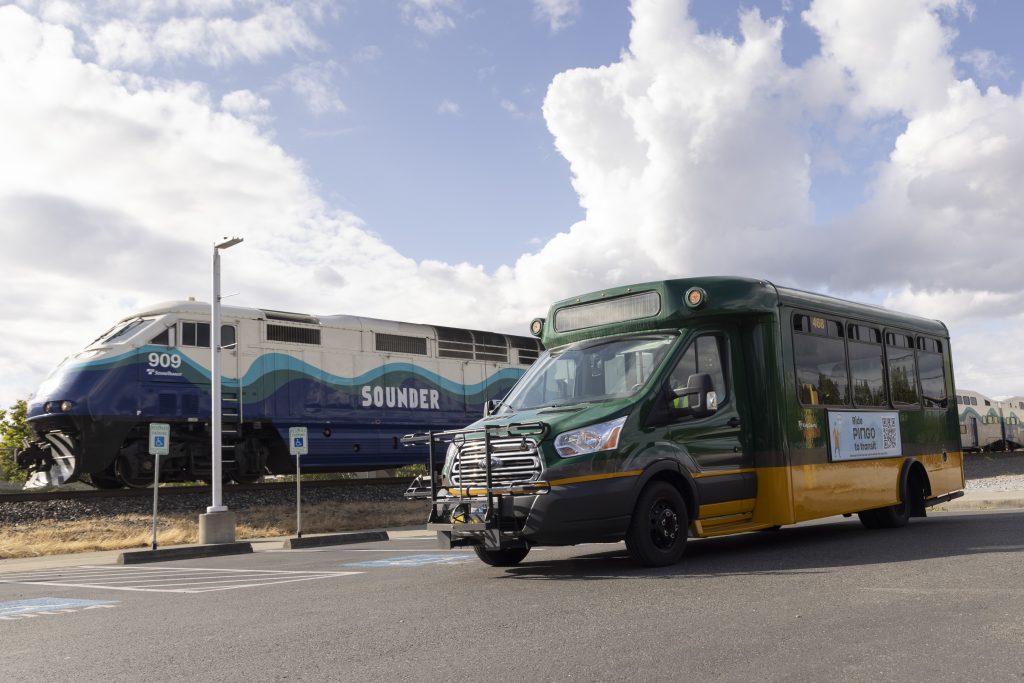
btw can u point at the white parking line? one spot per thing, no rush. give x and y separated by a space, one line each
157 580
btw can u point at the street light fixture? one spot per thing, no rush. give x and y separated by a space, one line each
215 378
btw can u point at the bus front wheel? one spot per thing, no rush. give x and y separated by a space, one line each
509 557
657 532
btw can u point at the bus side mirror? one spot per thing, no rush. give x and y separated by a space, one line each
698 398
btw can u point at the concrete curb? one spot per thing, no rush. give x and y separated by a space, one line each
336 539
184 553
980 500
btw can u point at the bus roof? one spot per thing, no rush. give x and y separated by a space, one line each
662 305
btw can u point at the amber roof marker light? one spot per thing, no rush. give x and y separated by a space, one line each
695 297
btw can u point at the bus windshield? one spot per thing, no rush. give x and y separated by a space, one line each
589 372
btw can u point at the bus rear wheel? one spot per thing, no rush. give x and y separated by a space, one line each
509 557
898 515
657 532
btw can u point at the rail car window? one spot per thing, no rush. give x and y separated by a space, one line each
227 336
988 403
397 343
820 353
931 369
293 335
866 366
704 355
959 400
899 350
974 400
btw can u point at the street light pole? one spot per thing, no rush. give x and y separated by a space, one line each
215 379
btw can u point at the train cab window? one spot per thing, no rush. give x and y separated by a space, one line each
122 331
931 370
163 339
820 353
866 365
974 400
195 334
227 336
899 351
959 400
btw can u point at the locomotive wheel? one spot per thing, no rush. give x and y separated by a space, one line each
126 475
105 481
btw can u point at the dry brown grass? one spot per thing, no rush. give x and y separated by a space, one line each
135 531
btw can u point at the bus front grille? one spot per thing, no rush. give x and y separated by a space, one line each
513 461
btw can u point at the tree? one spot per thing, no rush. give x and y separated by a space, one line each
14 430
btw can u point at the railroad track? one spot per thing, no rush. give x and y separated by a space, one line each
17 497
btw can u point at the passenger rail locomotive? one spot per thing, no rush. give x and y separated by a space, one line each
358 384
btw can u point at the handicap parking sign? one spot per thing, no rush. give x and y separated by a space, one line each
159 438
299 439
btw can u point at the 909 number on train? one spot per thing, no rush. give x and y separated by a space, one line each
164 360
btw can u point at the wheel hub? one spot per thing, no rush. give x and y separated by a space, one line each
664 525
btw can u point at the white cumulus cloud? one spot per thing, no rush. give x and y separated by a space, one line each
692 154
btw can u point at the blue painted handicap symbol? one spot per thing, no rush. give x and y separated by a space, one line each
17 609
298 441
158 441
415 560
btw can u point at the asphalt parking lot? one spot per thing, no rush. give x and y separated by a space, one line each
941 600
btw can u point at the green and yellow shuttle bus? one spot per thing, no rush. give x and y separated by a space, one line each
703 407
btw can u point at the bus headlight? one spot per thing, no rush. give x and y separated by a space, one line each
66 406
600 437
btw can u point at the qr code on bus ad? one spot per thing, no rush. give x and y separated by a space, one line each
890 435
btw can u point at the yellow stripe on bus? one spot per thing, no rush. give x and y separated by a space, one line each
595 477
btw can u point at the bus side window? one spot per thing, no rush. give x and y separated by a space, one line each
820 354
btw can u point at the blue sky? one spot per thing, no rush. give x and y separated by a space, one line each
466 162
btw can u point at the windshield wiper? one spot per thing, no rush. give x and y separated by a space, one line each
564 408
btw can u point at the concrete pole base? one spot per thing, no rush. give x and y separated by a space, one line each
217 527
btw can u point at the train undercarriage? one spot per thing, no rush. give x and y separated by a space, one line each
65 453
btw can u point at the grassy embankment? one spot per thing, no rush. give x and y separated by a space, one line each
123 532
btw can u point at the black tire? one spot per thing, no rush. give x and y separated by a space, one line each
659 526
894 516
501 558
869 519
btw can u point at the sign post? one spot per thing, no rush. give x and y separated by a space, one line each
298 444
159 444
